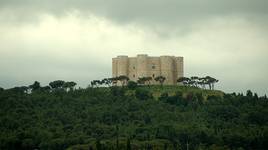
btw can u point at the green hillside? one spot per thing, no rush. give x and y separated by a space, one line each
155 117
157 90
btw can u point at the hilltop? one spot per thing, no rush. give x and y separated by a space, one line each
133 117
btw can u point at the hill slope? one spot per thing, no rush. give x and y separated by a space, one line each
141 118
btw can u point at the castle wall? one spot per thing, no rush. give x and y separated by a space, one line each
154 68
132 69
179 66
167 68
144 66
114 61
122 66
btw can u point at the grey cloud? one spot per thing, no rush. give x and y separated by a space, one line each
141 11
222 38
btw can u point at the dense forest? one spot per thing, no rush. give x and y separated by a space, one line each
131 117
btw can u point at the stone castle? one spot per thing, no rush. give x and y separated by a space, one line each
170 67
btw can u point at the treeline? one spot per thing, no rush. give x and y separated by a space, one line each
199 81
122 80
56 85
58 116
195 81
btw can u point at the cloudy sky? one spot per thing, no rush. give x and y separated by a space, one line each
45 40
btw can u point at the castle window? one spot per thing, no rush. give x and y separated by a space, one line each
153 75
133 67
153 67
133 75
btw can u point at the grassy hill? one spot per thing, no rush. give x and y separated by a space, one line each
169 117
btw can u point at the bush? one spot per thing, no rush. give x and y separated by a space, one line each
132 85
117 91
163 97
143 94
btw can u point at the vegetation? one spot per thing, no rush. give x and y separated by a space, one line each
199 82
160 79
145 80
131 117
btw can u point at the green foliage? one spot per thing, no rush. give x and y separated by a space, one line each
111 118
57 84
249 93
132 85
69 85
123 79
143 94
160 79
128 144
35 86
144 80
198 81
117 91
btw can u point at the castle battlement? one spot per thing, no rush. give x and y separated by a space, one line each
170 67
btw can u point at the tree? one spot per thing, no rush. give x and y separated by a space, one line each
256 96
163 97
148 80
117 137
141 81
202 82
160 79
145 80
93 83
132 85
58 84
69 85
249 93
114 80
35 86
213 81
184 80
123 79
1 89
96 83
128 144
107 81
45 89
21 89
194 80
98 145
210 81
143 94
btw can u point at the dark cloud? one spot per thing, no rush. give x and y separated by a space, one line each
46 40
141 11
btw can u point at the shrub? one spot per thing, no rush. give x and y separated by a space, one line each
143 94
132 85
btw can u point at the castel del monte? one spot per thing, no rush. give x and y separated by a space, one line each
170 67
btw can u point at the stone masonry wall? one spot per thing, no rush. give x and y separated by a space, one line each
170 67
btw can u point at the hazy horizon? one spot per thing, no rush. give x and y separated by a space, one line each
76 40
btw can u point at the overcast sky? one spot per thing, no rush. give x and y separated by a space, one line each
46 40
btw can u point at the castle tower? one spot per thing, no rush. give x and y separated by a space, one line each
179 66
167 69
170 67
142 65
122 65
